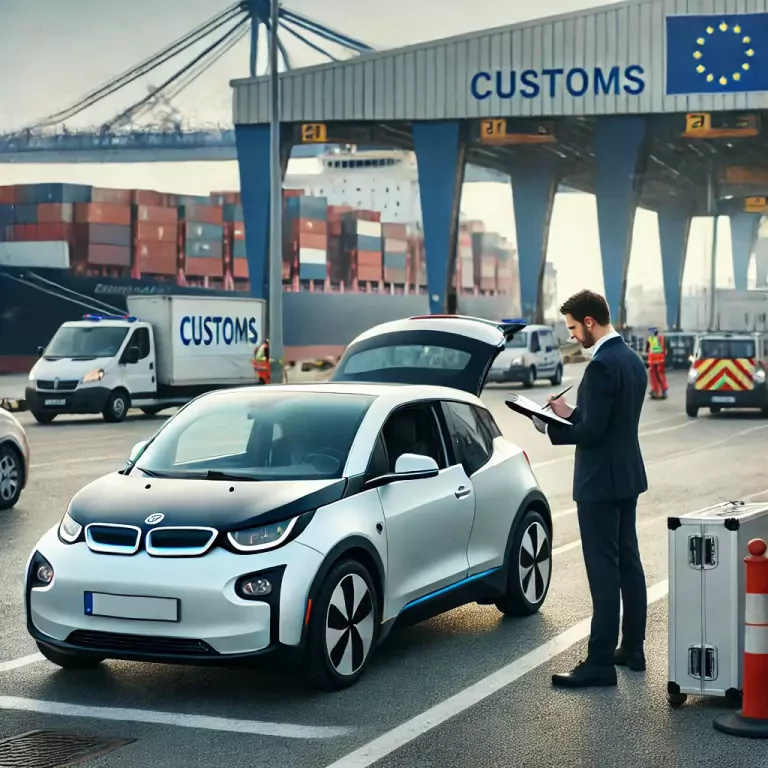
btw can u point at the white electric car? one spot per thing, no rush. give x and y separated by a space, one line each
311 518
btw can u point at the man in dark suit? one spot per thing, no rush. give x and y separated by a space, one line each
609 475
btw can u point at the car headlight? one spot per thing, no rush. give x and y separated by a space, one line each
264 537
32 375
517 361
693 374
760 376
69 530
97 374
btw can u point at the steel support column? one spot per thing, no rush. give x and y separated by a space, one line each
534 185
744 228
619 153
674 229
253 164
440 150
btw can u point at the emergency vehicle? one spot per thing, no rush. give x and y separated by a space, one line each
728 371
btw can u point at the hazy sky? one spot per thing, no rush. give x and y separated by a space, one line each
84 42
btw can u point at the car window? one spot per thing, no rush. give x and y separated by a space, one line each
726 349
413 429
140 340
259 435
408 356
535 346
469 437
378 465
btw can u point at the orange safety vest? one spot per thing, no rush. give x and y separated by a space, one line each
656 349
260 362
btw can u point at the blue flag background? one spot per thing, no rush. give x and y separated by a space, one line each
717 54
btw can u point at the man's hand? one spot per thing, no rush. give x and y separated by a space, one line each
560 407
539 424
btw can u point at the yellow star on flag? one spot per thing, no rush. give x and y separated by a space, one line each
723 26
723 80
737 76
701 69
697 55
747 40
737 29
710 77
745 67
710 30
750 52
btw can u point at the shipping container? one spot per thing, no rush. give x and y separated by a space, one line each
306 207
102 234
155 258
43 255
54 213
192 230
103 255
148 197
53 193
394 231
202 214
160 233
395 276
102 213
203 266
203 249
153 214
232 212
111 196
7 195
238 249
189 200
42 232
309 241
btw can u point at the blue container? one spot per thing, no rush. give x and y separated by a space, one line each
7 214
25 214
201 250
238 249
194 200
53 193
394 260
366 243
233 212
312 271
204 232
307 208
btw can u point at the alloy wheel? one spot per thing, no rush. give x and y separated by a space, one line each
535 562
9 477
349 625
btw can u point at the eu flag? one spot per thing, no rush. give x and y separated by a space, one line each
717 54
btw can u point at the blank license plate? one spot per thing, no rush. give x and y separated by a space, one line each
55 402
132 607
723 399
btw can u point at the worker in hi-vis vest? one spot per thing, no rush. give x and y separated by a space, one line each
657 357
260 363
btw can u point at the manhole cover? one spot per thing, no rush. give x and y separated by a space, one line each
49 749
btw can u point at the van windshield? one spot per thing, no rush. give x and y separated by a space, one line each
83 343
726 349
518 341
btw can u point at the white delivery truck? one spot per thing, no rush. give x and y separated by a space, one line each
166 351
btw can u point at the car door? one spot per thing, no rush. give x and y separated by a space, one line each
140 376
549 350
450 351
428 522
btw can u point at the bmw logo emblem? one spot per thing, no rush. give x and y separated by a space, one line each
154 519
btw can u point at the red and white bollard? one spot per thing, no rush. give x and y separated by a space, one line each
752 719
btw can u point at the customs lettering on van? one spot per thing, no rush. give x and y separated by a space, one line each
199 330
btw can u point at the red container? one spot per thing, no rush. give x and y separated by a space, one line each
397 276
240 269
55 213
42 232
226 198
368 259
203 267
156 258
112 196
395 231
7 195
392 245
334 227
102 213
154 214
104 255
202 214
148 197
158 233
368 274
293 193
310 241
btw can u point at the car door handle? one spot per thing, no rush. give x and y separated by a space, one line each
462 492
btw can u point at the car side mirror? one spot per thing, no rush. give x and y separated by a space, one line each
132 355
136 451
40 351
409 466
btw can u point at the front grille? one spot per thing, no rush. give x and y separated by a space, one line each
113 539
180 541
64 385
120 643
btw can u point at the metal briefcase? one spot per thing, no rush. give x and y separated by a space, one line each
706 598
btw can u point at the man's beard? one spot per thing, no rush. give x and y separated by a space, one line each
589 339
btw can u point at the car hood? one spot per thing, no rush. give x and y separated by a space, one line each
119 499
67 367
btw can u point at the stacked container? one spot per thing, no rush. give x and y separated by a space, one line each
339 266
102 237
155 231
395 250
201 238
506 266
361 239
465 265
235 261
485 251
305 236
417 262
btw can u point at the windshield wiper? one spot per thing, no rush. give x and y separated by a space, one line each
213 474
149 472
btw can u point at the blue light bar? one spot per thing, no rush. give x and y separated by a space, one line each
97 318
515 320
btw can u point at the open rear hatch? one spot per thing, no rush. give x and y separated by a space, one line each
438 350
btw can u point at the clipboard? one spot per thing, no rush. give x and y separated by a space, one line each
527 407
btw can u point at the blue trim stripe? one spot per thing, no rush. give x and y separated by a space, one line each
431 595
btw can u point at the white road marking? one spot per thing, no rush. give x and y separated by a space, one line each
445 710
88 460
7 666
255 727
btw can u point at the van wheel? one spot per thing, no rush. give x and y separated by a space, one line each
151 411
43 418
116 407
530 378
558 377
692 411
715 410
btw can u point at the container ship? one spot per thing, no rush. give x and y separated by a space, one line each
353 255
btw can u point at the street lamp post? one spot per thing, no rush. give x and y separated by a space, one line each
276 351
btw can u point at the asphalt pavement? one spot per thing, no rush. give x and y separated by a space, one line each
469 688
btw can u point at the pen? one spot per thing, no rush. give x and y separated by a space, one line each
558 396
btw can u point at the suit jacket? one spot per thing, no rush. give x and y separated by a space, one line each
609 464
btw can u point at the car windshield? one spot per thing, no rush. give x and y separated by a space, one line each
77 341
726 349
518 341
257 435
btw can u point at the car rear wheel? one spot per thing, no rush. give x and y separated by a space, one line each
69 660
11 473
529 569
530 378
343 628
557 379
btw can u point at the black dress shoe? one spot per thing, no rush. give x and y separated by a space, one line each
634 660
586 675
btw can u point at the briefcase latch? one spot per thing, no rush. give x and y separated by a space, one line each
702 552
702 662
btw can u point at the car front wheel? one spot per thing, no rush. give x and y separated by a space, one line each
10 476
343 627
529 569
